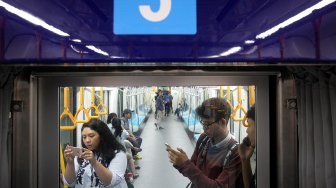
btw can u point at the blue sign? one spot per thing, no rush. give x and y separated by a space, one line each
147 17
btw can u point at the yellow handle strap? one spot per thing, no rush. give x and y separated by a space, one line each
66 112
93 104
238 107
81 108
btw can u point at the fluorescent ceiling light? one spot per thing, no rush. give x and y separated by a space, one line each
231 51
249 41
295 18
32 19
115 57
76 40
77 50
97 50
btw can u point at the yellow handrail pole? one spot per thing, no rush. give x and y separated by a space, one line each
66 97
67 112
81 95
239 95
93 104
239 106
62 163
92 95
81 107
101 103
252 95
221 95
229 94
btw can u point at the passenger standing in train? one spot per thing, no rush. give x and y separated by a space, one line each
156 96
215 161
135 140
159 104
121 135
168 103
102 162
246 150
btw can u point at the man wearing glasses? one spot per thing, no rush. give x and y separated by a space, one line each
215 161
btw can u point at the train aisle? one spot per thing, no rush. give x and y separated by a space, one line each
156 170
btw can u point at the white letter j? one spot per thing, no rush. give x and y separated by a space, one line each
161 14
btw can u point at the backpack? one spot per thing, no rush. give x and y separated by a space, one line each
205 141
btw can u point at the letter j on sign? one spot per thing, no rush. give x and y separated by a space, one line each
154 17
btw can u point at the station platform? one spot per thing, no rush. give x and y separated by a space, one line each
156 170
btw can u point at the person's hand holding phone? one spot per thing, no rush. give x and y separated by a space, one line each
88 155
69 154
167 145
177 157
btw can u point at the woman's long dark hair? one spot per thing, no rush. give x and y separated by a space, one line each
116 124
108 143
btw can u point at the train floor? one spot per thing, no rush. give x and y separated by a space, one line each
156 171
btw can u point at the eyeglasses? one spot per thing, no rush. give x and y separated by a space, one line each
205 124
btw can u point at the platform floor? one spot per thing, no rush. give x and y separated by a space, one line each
156 170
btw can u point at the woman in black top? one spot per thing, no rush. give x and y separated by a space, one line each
246 150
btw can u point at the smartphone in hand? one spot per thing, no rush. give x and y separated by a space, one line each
77 151
167 145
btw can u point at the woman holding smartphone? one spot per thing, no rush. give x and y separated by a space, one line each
246 150
102 162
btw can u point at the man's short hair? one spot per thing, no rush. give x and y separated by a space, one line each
127 111
214 107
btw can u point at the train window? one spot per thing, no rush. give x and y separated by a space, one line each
80 104
77 102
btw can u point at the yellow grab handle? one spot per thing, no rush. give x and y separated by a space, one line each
93 104
239 106
66 112
81 108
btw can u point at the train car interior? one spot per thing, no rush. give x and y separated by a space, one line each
66 62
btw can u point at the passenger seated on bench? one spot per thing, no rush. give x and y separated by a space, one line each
121 134
136 141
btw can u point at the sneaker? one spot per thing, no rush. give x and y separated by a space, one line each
137 167
161 128
156 125
137 149
137 156
135 176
